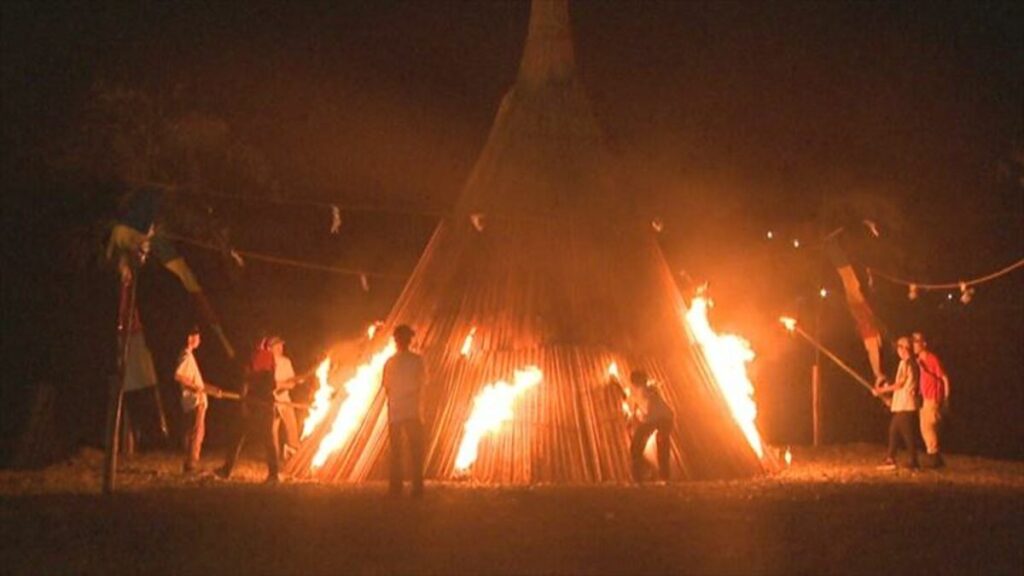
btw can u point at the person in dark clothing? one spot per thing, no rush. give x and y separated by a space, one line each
657 418
257 414
403 379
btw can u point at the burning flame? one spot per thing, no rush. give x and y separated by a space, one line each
613 375
321 399
789 323
727 356
360 389
492 407
613 371
467 344
788 456
371 330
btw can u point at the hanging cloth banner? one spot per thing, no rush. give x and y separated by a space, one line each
868 325
135 233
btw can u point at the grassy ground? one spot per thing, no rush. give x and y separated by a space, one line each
831 512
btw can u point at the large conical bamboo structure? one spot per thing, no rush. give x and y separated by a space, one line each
544 258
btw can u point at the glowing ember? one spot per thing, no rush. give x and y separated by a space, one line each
789 323
321 399
613 371
727 356
492 407
371 330
467 344
360 391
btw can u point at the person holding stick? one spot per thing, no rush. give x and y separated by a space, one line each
193 400
904 406
657 418
257 411
284 410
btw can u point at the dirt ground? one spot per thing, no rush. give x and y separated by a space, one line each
832 512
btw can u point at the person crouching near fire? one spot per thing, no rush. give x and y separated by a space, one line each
904 406
657 418
193 400
403 379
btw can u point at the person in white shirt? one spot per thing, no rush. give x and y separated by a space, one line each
904 406
403 379
284 412
193 400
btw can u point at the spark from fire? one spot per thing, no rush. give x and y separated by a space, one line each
727 356
789 323
360 391
491 408
321 399
467 344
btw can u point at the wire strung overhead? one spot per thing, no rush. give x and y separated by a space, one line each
966 287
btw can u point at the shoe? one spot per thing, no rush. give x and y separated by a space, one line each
913 467
888 464
222 472
272 480
937 461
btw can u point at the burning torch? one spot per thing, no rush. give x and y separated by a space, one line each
793 328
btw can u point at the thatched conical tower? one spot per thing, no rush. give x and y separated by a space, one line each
544 259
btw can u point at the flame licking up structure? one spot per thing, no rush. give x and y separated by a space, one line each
727 356
613 375
321 399
467 344
360 389
492 407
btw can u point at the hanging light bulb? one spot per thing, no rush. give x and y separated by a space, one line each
770 235
823 292
658 225
912 293
796 242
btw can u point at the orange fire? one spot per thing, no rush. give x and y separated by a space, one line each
727 356
492 407
613 375
360 391
371 330
467 344
321 399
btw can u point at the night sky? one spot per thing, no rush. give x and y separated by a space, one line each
728 119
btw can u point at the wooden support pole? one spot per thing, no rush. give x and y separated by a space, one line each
816 404
126 312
